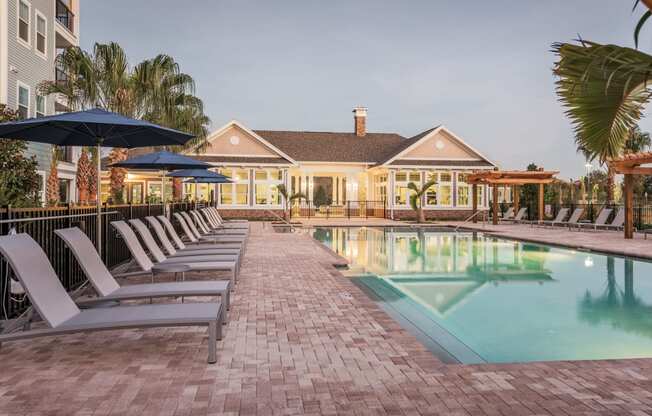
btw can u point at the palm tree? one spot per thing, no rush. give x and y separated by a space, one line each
416 198
637 141
154 90
604 89
288 198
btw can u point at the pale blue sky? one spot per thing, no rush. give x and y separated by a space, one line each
481 68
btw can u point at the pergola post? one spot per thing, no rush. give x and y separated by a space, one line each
540 202
474 194
629 206
494 196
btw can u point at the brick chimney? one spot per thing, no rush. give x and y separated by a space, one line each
360 118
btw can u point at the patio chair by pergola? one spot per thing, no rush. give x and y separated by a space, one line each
496 178
630 165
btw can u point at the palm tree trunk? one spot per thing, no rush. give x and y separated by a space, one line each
420 215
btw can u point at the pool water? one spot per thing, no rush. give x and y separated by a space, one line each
477 298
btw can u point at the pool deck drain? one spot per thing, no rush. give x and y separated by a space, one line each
295 346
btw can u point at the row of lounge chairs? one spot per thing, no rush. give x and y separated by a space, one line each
573 222
217 247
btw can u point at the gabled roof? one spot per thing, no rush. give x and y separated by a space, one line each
315 146
414 141
212 136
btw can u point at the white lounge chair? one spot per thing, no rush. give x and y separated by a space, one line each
215 222
62 316
616 224
599 222
518 217
561 217
188 251
145 264
206 229
222 220
206 236
180 244
108 289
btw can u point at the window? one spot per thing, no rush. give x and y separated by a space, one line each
380 187
41 34
401 190
64 190
440 194
463 191
23 100
24 9
40 106
203 191
236 193
265 183
504 194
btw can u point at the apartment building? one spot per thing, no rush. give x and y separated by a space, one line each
32 33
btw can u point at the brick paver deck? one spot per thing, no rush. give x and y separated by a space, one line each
302 339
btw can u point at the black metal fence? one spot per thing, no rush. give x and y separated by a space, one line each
591 210
40 224
349 209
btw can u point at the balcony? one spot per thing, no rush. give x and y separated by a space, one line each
65 16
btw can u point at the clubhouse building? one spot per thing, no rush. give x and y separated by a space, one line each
357 171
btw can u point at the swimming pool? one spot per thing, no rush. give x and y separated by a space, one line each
474 298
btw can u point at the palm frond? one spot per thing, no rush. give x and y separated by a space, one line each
604 89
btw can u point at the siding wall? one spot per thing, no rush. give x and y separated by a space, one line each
31 68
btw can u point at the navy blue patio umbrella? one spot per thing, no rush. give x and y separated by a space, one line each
162 161
95 127
196 173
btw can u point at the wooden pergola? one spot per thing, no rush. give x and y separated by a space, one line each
630 165
514 178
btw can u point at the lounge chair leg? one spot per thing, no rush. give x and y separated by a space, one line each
212 342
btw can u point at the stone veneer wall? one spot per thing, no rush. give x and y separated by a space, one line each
250 214
449 214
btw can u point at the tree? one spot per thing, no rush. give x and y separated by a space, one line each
417 196
154 90
282 190
84 169
52 196
19 181
604 89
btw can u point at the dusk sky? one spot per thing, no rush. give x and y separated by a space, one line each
483 69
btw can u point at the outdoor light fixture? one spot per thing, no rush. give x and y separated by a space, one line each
588 262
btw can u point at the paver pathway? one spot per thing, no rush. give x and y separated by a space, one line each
302 339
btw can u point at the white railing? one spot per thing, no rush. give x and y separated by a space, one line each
471 217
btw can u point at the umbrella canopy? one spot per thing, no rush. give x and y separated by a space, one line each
161 161
208 180
93 127
196 173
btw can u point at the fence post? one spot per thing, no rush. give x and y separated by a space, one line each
639 223
131 210
384 208
348 209
149 208
105 234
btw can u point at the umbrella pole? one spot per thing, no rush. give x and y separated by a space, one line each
98 201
